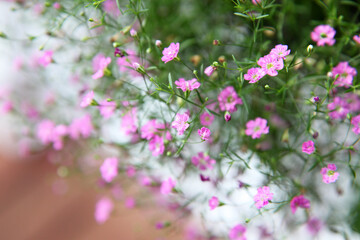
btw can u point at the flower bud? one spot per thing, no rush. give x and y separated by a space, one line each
158 43
221 59
195 59
209 70
227 116
310 48
133 32
216 42
267 86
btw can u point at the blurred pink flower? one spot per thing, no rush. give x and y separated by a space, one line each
109 169
343 74
255 128
323 34
206 119
46 58
111 7
167 186
355 121
81 126
204 133
237 232
314 225
156 145
100 63
263 197
209 70
129 122
130 202
103 209
87 99
203 161
107 108
338 108
356 38
213 203
299 201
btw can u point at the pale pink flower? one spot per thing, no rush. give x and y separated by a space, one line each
280 51
323 34
158 43
130 171
314 225
263 197
107 108
254 74
126 63
129 121
39 8
338 109
111 7
308 147
87 99
46 58
103 209
204 133
213 203
238 231
130 202
7 106
170 52
167 186
57 136
133 32
180 123
109 169
81 127
56 5
355 121
45 131
328 173
156 145
203 161
299 201
344 74
187 85
256 2
206 119
228 99
227 116
151 128
18 63
100 63
353 101
356 38
209 70
271 64
255 128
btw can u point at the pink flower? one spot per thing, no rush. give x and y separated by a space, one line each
203 161
227 116
45 131
170 52
343 74
129 122
329 174
270 64
107 108
308 147
256 2
109 169
100 63
167 186
180 123
156 145
323 34
314 225
46 58
353 101
213 203
209 70
357 39
58 133
206 119
7 107
111 7
228 99
150 129
280 51
187 85
130 202
254 74
255 128
87 99
299 201
56 5
126 63
103 209
263 197
81 126
238 231
355 121
133 32
338 109
204 133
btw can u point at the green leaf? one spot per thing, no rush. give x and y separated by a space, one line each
241 15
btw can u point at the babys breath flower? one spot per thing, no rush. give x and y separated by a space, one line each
109 169
204 133
203 161
111 7
238 231
228 99
344 74
87 99
323 34
187 85
255 128
299 201
133 32
227 116
213 203
129 122
81 126
314 225
167 186
103 209
100 63
156 145
206 119
254 74
158 43
308 147
280 51
328 173
270 64
150 129
56 5
355 121
209 70
338 109
263 197
356 38
170 52
180 123
107 108
46 58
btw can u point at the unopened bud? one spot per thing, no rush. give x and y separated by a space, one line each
158 43
216 42
310 48
133 32
91 20
221 59
267 86
227 116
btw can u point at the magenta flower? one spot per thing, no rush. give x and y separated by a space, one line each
103 209
299 201
46 58
167 186
150 129
323 34
204 133
206 119
280 51
228 99
213 203
81 126
308 147
338 109
109 169
87 99
343 74
270 64
255 128
100 63
129 122
203 161
238 231
355 121
254 74
329 174
357 39
180 123
353 101
263 197
227 116
187 85
107 108
170 52
209 70
156 145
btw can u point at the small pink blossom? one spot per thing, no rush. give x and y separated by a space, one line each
57 136
203 161
103 209
228 99
213 203
129 122
254 74
187 85
100 63
255 128
344 74
204 133
130 171
323 34
227 116
353 101
56 5
263 197
167 186
87 99
126 63
280 51
355 121
180 123
133 32
209 70
107 108
156 145
356 38
299 201
111 7
109 169
271 64
46 58
308 147
328 173
81 127
130 202
206 119
170 52
7 106
45 131
150 129
314 225
238 231
338 109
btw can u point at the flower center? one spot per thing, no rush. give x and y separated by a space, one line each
323 35
269 65
229 99
330 172
257 128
